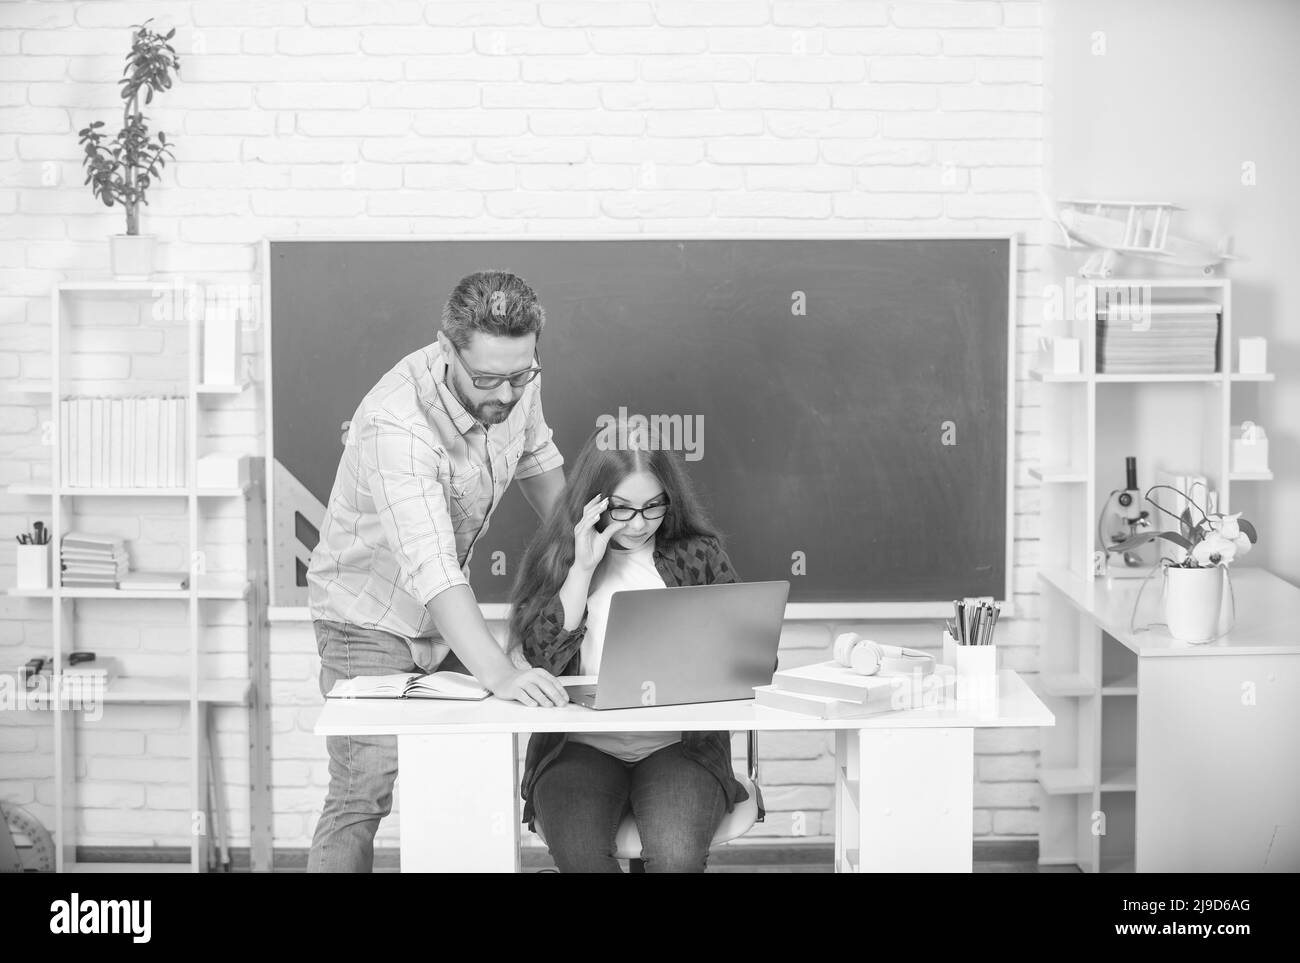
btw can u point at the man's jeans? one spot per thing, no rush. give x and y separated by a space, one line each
582 796
362 768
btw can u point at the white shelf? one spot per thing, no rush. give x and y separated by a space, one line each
1156 378
1094 663
221 389
127 690
1067 684
1119 779
1065 782
1058 475
1125 686
33 488
73 300
206 590
114 286
1037 375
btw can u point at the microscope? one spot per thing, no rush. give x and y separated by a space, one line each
1122 517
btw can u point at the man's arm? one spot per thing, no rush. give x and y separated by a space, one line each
543 491
460 623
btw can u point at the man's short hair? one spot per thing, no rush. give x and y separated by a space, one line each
494 302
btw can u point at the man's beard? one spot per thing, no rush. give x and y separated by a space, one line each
487 413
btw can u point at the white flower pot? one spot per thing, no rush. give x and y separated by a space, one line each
131 256
1193 601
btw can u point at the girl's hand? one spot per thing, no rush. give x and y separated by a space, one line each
588 544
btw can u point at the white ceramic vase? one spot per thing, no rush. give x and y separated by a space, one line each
131 256
1193 599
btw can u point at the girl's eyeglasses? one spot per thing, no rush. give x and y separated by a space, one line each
625 513
485 382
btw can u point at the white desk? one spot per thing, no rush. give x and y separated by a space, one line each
904 780
1191 750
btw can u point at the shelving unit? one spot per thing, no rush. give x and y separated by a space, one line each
1096 676
199 695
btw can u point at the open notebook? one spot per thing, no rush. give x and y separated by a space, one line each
410 685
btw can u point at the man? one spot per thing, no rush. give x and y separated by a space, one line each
427 457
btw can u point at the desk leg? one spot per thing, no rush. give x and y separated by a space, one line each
904 800
459 803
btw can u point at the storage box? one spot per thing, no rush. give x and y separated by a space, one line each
1059 355
976 668
33 566
223 470
221 349
1252 355
1249 448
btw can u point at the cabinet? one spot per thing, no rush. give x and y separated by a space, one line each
1118 794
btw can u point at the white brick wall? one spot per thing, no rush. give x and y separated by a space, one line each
399 118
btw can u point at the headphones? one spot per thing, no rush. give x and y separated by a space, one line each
869 658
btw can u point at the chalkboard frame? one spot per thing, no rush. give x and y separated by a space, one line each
805 611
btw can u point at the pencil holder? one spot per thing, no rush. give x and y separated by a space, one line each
976 667
33 566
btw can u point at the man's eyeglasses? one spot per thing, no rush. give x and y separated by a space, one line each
625 513
485 382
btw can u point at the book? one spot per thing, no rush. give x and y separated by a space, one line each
903 692
167 445
97 479
834 681
153 435
84 433
87 540
140 472
65 441
115 443
403 685
128 442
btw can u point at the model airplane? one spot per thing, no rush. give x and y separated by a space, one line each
1139 228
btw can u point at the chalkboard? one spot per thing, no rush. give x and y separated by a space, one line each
852 393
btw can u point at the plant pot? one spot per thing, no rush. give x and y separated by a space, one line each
1193 601
131 256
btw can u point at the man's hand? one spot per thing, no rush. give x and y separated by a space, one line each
532 687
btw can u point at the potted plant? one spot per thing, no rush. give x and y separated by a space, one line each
1193 584
123 170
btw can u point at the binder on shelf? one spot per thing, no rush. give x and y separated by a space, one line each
97 442
83 441
128 442
153 437
141 473
115 443
167 452
65 442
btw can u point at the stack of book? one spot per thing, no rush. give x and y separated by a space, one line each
123 442
1158 338
828 690
92 561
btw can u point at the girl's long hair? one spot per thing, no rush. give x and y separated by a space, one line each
598 468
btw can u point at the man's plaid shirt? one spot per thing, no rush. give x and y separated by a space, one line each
417 482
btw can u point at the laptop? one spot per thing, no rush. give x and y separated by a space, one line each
693 643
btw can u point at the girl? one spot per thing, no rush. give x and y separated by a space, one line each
627 519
